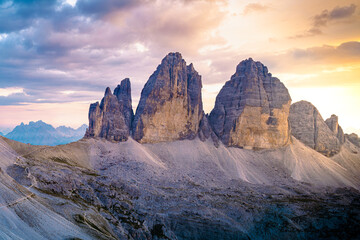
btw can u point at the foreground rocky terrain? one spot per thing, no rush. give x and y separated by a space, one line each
208 177
181 190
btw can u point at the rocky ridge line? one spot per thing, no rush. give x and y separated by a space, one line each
252 110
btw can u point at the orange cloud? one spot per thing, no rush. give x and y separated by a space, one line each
255 7
321 20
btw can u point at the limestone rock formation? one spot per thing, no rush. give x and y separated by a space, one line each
252 109
308 126
333 124
111 119
353 138
170 106
123 94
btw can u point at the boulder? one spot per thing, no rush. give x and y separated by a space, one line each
170 106
252 108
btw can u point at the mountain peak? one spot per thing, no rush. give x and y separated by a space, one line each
172 56
251 109
172 59
249 66
170 106
108 91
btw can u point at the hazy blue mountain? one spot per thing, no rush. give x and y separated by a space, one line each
70 132
1 134
5 131
41 133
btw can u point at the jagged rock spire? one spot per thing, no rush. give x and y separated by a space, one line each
170 106
333 124
111 119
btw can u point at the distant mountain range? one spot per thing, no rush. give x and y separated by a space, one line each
41 133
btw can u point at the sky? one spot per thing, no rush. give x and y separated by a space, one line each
58 56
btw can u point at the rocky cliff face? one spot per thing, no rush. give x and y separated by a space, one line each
333 124
353 138
252 109
308 126
170 106
111 119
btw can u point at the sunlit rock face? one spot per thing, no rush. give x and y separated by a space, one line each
111 119
252 108
170 106
333 124
308 126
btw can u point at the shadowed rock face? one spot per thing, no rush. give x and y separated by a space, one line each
205 131
308 126
123 94
252 109
170 106
333 124
111 119
353 138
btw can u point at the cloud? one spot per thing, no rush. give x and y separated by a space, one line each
16 15
94 44
165 28
345 52
4 92
342 12
321 20
316 66
101 8
255 7
322 66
